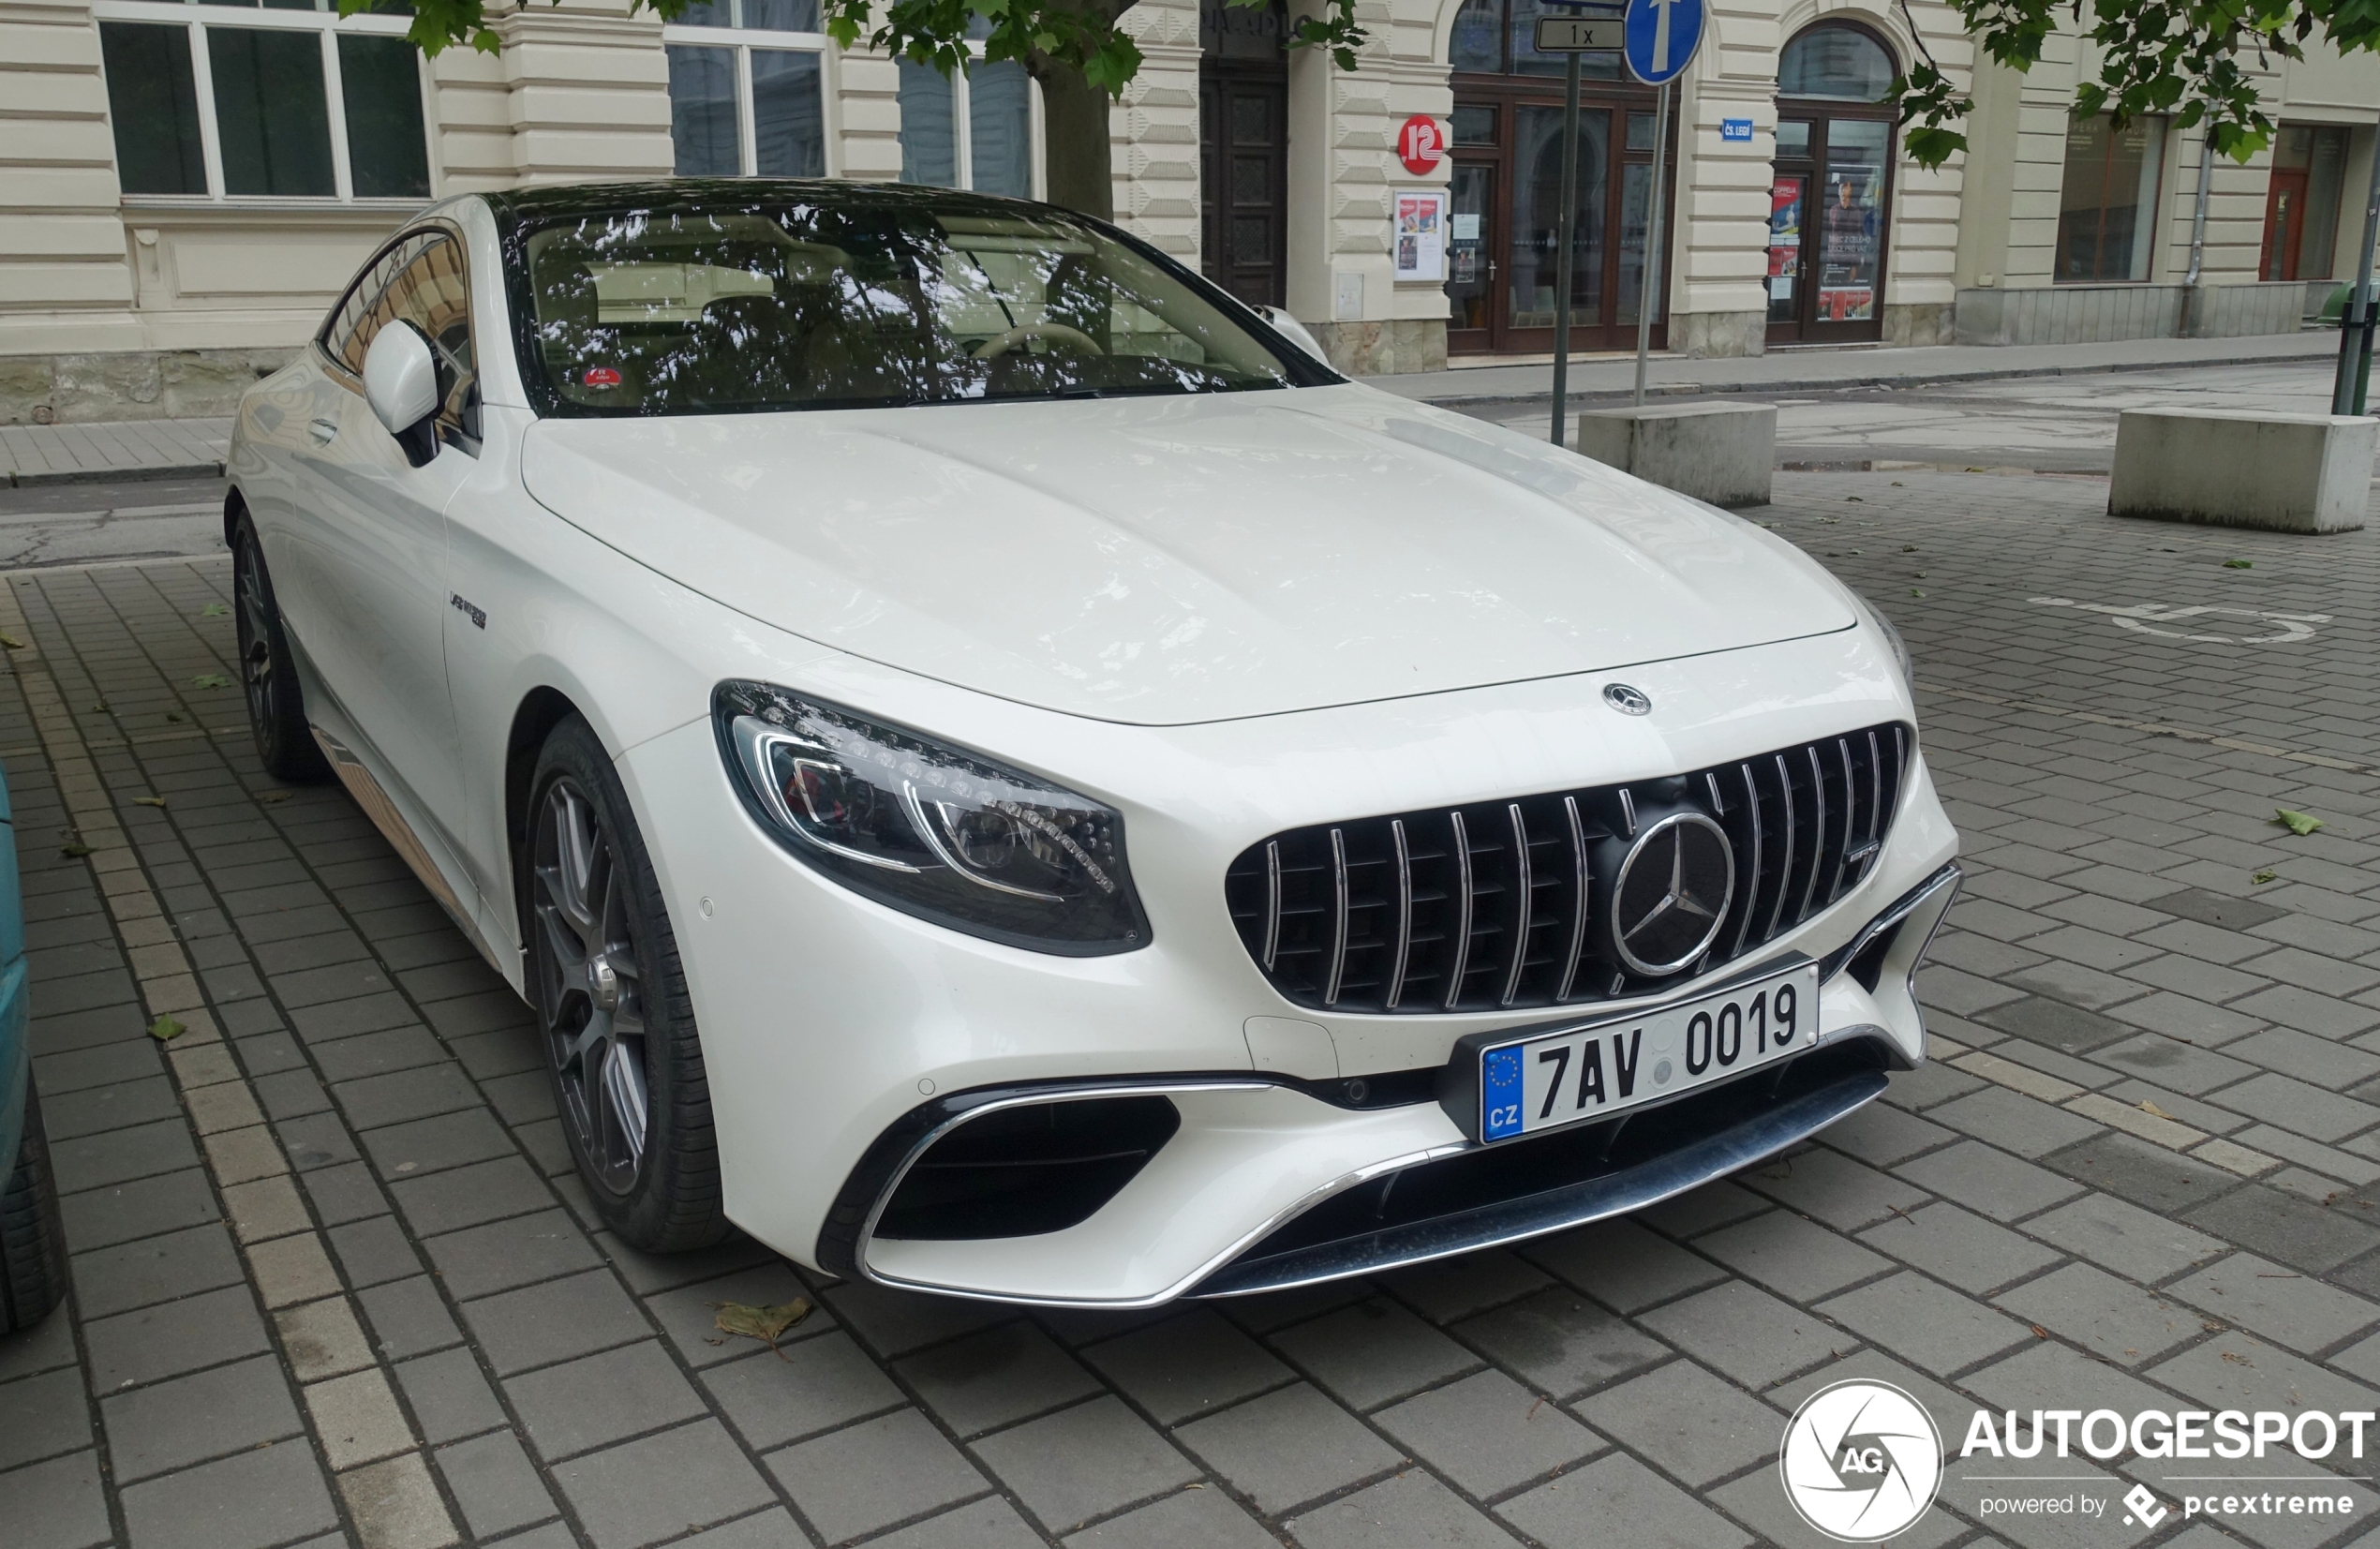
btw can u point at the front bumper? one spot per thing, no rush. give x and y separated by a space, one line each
838 1035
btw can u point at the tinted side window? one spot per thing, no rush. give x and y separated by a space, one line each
422 281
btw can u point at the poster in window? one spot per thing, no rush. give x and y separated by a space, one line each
1784 236
1420 236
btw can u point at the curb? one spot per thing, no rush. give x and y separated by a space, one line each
1842 384
116 475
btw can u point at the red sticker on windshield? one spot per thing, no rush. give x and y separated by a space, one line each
600 376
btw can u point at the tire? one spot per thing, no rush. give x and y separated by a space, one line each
276 705
610 997
33 1240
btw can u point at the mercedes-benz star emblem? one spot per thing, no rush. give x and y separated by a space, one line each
1671 893
1627 699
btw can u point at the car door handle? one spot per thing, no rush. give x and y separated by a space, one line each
325 431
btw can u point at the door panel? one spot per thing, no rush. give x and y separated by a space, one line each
1537 195
1242 124
2285 225
1471 268
1851 225
1788 196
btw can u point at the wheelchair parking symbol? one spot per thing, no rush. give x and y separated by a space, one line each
2264 629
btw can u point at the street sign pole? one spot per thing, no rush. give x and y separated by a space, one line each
1567 226
2347 393
1648 293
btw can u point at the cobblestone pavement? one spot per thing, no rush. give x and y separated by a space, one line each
335 1283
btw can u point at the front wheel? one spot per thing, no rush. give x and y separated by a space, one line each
277 708
611 1000
33 1242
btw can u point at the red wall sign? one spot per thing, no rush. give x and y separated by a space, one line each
1420 144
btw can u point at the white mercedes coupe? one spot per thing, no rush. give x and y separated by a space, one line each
998 773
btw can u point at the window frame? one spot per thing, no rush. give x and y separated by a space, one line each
743 41
197 17
2151 233
457 410
962 129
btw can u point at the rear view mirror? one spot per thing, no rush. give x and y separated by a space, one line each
400 382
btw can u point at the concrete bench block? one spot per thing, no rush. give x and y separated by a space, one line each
1723 452
2281 473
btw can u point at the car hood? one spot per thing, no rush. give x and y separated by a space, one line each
1179 559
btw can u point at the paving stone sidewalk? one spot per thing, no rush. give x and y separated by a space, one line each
82 453
335 1283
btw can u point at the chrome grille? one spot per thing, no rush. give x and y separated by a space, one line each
1498 905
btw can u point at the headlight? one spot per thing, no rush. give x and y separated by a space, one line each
930 829
1900 647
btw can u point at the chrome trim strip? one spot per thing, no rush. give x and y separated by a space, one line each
1578 919
1751 894
1339 902
363 788
1521 931
1627 811
1817 833
1718 802
1851 812
1404 911
1462 916
1949 876
1785 862
1556 1210
1875 786
1271 902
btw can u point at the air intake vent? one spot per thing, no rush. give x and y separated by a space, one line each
1511 904
1025 1170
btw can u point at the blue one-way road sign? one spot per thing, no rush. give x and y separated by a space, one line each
1662 35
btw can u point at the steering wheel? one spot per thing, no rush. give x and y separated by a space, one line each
994 349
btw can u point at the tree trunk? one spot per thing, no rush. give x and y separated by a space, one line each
1077 170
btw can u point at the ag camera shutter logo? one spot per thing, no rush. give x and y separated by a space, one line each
1861 1461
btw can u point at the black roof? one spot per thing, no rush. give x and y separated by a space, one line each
541 206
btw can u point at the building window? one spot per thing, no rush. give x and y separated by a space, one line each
217 102
2301 202
2107 214
1834 64
970 129
1499 37
747 94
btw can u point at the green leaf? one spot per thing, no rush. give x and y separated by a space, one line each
210 680
12 642
148 801
2239 564
74 849
214 610
2263 877
165 1028
2300 823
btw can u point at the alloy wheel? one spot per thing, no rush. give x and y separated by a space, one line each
590 986
256 640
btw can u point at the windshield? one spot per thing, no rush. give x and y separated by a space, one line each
862 298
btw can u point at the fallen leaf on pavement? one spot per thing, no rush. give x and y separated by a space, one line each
213 610
761 1323
2154 1112
165 1028
2263 877
11 642
2299 823
148 801
275 795
210 680
2040 1332
2239 564
74 849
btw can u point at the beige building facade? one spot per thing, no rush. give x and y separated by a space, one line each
186 186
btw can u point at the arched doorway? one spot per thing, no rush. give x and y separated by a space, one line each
1244 149
1831 194
1503 241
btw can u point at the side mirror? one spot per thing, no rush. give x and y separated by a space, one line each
1295 332
400 382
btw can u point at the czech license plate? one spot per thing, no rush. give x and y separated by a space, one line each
1591 1073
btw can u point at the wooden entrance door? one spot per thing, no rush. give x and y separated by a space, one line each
1244 146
